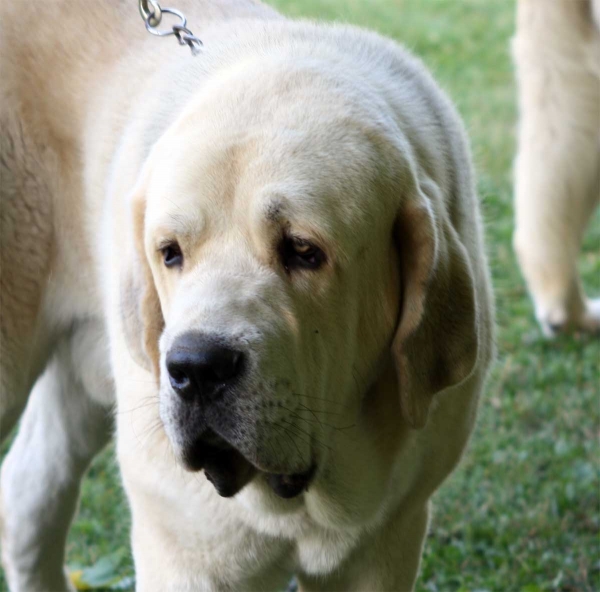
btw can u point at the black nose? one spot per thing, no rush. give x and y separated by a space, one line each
199 366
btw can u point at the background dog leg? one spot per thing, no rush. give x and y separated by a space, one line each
63 427
557 184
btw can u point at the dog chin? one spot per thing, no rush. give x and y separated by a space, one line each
229 471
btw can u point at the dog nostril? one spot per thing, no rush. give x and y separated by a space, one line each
179 380
178 377
198 367
225 364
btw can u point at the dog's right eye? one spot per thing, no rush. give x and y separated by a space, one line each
297 253
172 255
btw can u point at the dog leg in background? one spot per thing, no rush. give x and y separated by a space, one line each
557 184
66 422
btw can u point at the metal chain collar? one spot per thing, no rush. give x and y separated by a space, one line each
152 13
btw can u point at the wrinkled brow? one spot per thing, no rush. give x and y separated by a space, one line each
274 210
307 221
177 222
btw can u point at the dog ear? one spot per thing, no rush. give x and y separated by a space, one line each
436 341
141 311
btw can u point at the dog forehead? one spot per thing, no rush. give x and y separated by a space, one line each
321 175
325 160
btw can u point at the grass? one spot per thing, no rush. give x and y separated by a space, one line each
522 511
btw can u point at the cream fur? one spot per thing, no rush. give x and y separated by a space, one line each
557 170
371 366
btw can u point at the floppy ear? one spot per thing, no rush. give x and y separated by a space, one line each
141 312
435 345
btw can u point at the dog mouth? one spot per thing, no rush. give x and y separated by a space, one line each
229 471
223 465
289 486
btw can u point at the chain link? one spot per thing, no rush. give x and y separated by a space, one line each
152 13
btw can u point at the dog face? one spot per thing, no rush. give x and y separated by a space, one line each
289 255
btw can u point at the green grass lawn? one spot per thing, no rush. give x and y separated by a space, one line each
522 511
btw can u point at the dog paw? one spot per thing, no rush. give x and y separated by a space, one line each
556 322
553 323
590 320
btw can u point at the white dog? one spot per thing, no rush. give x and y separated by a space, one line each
557 54
273 251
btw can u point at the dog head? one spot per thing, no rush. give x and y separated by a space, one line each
286 256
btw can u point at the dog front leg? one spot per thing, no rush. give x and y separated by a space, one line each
387 560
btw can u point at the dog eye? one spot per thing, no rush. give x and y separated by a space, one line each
298 253
172 255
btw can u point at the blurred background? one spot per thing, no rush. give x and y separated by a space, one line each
522 512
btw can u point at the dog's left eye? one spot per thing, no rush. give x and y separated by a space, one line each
298 253
172 255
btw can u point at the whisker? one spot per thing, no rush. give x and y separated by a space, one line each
141 406
273 450
289 437
291 444
286 430
328 425
320 411
312 412
297 428
148 431
153 427
342 428
317 398
312 437
295 416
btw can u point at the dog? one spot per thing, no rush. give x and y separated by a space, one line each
557 170
269 255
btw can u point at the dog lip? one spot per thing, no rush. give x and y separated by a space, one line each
203 448
229 471
223 465
289 486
